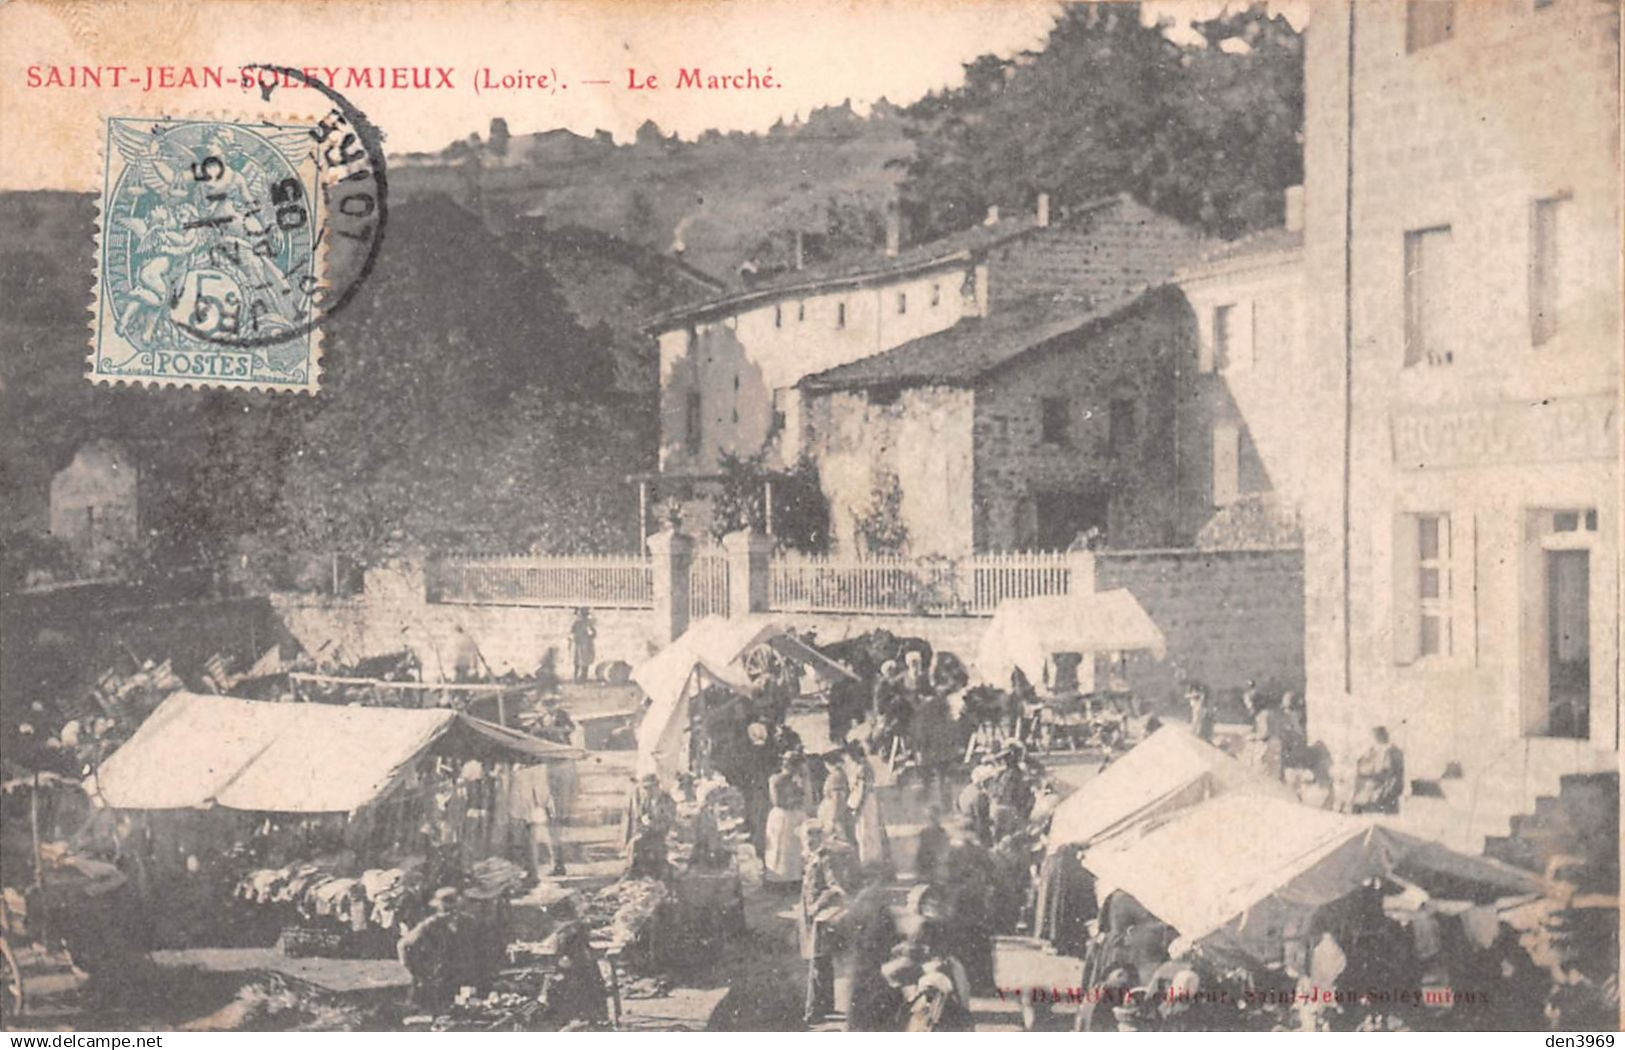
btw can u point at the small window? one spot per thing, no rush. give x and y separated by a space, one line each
1224 336
902 302
778 316
840 315
936 294
1120 426
1056 420
776 423
1429 258
693 422
801 311
1428 22
1548 220
1226 464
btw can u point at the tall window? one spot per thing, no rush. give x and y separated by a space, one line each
1548 221
1226 464
778 315
1056 421
840 315
1432 584
693 422
902 302
1224 335
1428 22
936 294
1428 263
801 311
1120 426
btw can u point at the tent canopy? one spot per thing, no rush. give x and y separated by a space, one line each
1265 865
1169 770
196 751
710 652
1025 632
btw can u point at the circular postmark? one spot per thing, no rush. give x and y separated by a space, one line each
242 237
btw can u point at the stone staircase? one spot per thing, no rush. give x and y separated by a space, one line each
1573 834
1492 800
594 838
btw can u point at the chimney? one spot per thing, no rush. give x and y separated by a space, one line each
981 293
894 232
800 258
1294 209
1043 209
992 215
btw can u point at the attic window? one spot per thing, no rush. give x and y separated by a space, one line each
801 311
883 395
936 295
778 316
902 302
840 315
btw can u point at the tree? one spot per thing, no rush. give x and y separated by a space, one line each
1109 104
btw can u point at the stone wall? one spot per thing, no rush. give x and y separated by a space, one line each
1228 616
1154 487
921 439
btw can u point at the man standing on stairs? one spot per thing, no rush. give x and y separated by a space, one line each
1379 776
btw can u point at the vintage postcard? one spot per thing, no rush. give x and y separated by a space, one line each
963 516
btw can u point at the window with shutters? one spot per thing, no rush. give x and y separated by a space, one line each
1428 268
1435 603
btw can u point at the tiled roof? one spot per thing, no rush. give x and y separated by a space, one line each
1275 241
869 267
961 355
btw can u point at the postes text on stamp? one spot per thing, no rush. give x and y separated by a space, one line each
210 255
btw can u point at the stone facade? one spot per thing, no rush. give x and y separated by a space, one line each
1139 477
1462 560
918 440
1250 311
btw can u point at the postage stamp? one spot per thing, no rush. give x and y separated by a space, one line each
210 255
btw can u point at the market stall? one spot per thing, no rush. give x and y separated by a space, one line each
713 653
334 820
1270 867
1046 648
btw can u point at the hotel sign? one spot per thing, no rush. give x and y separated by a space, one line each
1548 430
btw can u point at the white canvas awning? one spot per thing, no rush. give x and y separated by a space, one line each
710 652
1169 770
1025 632
196 752
1234 873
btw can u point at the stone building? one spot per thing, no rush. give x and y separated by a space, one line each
1248 301
730 368
1462 237
1019 431
95 505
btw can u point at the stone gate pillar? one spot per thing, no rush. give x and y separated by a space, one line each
750 556
671 553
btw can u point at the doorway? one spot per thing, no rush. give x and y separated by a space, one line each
1568 643
1063 516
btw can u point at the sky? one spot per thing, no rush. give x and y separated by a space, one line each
819 52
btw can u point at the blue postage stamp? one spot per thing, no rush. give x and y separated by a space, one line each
209 255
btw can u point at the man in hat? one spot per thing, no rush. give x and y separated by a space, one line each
436 952
583 647
652 815
823 894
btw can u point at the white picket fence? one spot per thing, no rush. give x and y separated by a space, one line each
623 581
971 586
